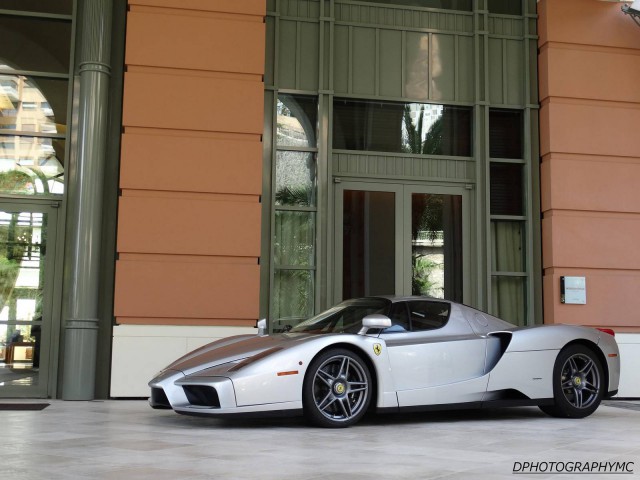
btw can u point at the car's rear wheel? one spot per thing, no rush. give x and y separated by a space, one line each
578 383
337 389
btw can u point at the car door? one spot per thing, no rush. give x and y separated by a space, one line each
435 356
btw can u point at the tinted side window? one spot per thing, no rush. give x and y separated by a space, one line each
399 318
428 315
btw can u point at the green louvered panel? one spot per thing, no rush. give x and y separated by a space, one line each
506 72
309 60
514 84
372 14
509 26
298 54
390 71
300 8
287 40
402 166
363 60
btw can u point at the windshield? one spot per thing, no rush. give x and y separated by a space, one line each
343 318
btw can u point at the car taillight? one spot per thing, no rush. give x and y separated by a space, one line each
607 330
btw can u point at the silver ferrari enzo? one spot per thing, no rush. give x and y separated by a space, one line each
393 354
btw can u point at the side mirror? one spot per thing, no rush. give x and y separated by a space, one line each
375 320
262 327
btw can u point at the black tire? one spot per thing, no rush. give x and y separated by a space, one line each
578 383
337 389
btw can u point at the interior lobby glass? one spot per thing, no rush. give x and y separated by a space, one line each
33 105
413 128
436 245
368 248
295 178
61 7
297 117
35 44
22 255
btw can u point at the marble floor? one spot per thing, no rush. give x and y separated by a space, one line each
125 440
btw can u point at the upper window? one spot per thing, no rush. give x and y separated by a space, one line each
35 59
413 128
506 133
297 117
505 7
62 7
35 44
441 4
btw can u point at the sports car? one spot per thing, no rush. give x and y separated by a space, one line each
391 354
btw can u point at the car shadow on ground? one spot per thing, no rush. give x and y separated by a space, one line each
371 419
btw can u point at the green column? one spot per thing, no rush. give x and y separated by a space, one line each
84 213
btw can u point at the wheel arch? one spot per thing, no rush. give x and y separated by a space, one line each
593 347
365 358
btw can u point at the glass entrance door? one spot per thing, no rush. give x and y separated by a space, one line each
401 239
27 251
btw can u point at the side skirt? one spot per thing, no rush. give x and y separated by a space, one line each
520 402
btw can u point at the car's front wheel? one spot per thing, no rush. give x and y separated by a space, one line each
578 383
337 389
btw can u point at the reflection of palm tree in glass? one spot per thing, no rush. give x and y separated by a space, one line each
426 210
414 143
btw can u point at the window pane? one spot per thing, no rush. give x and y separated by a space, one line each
35 105
368 244
506 130
507 244
505 7
23 237
402 127
35 44
297 118
508 300
293 294
62 7
295 178
294 238
506 189
436 245
31 166
428 315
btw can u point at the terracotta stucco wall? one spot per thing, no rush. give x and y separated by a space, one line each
590 146
191 174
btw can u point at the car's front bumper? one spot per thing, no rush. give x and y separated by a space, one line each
199 395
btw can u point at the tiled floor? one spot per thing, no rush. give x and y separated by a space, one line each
127 440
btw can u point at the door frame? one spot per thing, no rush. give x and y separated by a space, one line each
50 332
403 191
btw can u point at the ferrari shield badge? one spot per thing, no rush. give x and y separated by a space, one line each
377 348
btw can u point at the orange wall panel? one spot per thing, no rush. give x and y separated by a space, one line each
586 22
193 42
591 240
609 294
591 73
191 164
594 183
171 289
598 128
190 102
247 7
187 226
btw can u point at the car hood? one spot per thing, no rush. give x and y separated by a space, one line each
234 349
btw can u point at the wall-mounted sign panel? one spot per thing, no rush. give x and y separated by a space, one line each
573 290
